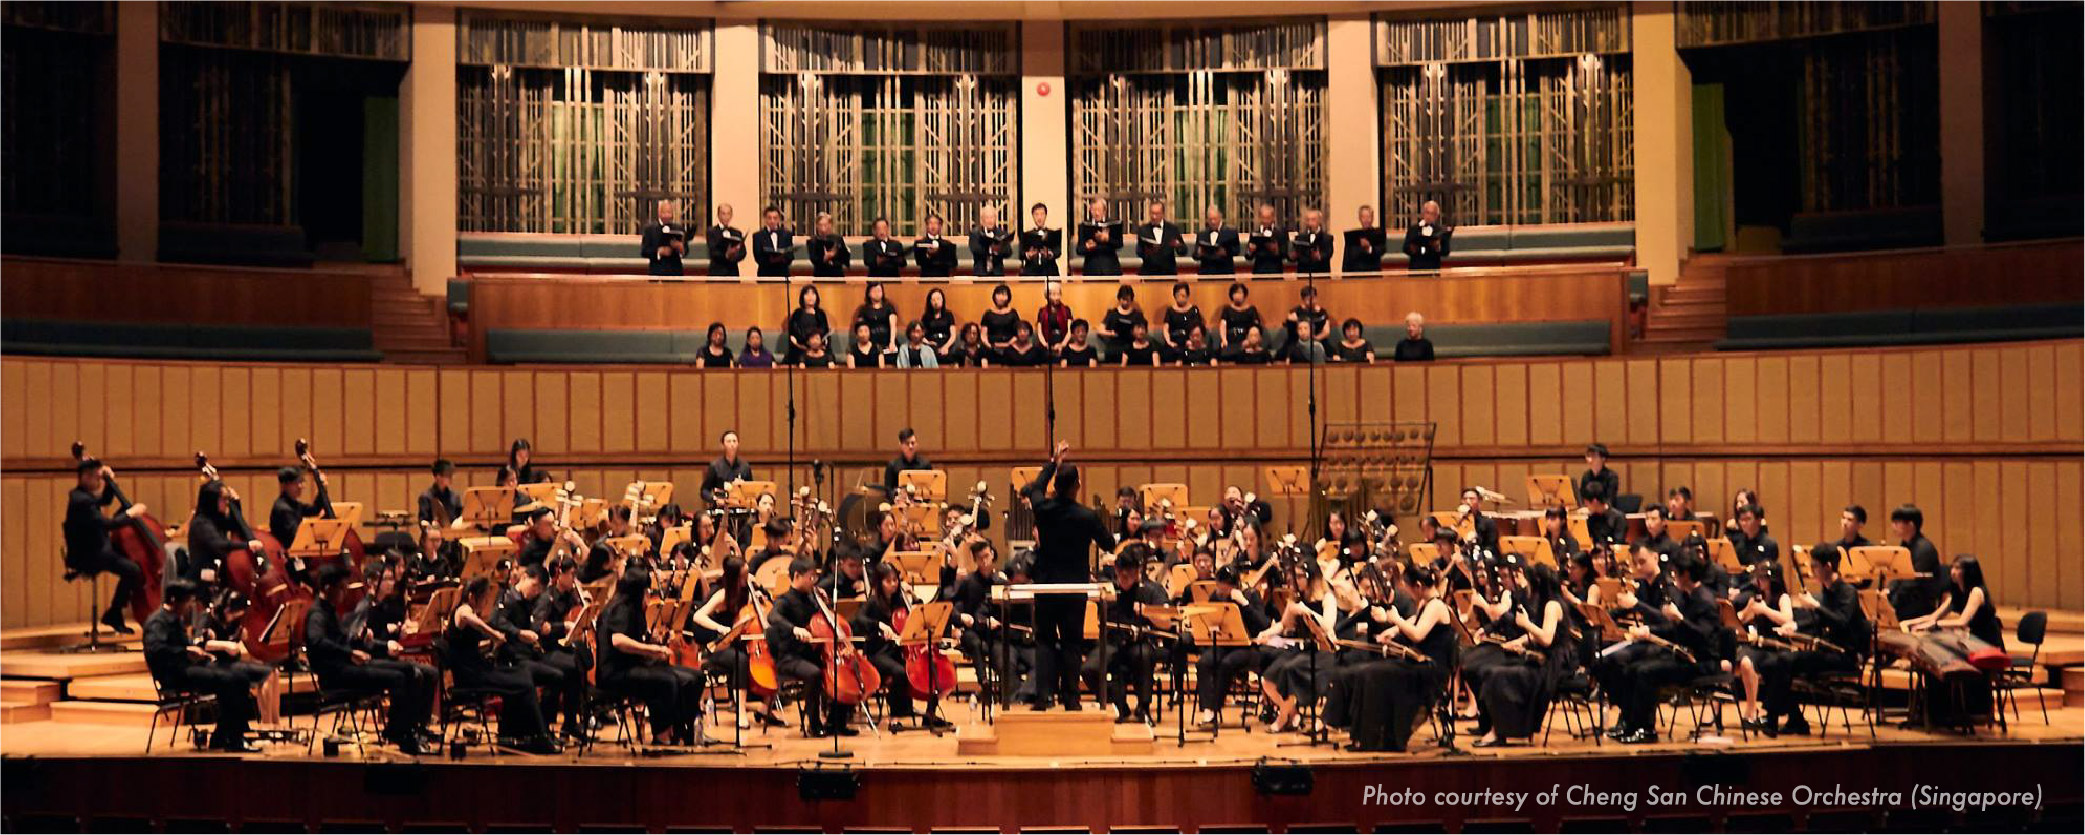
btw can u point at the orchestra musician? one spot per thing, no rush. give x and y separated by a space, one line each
1851 520
633 663
730 662
180 664
1218 667
876 623
979 619
217 529
1486 528
1392 694
1655 533
797 657
1763 607
908 459
1515 696
289 511
1603 524
87 546
344 663
1832 613
1963 625
1596 471
1919 595
1750 541
521 458
528 648
545 537
1287 676
1131 653
439 504
1064 529
1690 624
469 644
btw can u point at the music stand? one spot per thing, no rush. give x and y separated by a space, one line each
482 555
1423 553
319 538
1200 591
1153 496
674 537
543 493
1722 553
1178 579
914 565
1535 548
927 485
1576 524
1602 622
746 494
1552 491
925 625
1320 643
487 508
1286 483
349 512
1882 562
1678 530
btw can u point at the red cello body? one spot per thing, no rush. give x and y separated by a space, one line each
267 583
143 540
849 677
917 657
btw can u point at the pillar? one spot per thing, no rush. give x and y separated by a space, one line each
1664 142
427 153
1353 157
137 132
734 125
1045 129
1961 28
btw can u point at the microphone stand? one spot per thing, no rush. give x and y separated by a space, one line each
789 381
1310 397
832 567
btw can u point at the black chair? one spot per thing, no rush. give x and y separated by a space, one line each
469 710
2032 631
178 703
1574 697
356 710
1844 692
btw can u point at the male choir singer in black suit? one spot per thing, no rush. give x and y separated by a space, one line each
1312 247
1158 242
1426 242
1063 530
664 242
989 244
935 255
1216 245
773 246
1040 244
727 245
1099 240
1268 245
1364 252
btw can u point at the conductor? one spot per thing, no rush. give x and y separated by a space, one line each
1063 529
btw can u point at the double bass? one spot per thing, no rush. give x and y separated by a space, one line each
143 540
352 551
265 579
849 677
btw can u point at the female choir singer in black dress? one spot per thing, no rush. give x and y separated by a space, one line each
806 321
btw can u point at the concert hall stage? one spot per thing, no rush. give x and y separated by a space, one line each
60 775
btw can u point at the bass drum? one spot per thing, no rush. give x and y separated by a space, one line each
854 513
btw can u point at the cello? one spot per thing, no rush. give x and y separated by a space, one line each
264 578
918 656
752 629
142 539
849 677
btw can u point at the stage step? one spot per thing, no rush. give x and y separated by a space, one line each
103 713
59 635
137 687
1056 733
62 667
12 712
29 692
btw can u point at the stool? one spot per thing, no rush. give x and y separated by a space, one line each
94 627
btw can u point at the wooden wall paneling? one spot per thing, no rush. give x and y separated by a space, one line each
930 415
1239 416
1985 491
1204 487
1928 492
518 407
1408 390
2043 558
1835 402
149 438
1867 398
419 411
207 402
1866 490
1170 415
235 387
758 396
1511 409
1986 397
1930 395
2012 544
1075 416
2070 534
618 412
294 418
36 380
2070 391
1771 480
488 423
1299 382
1577 404
90 409
2041 390
583 393
1806 510
653 412
389 407
551 435
995 407
64 404
1897 486
453 391
119 435
1513 475
1770 387
394 491
1708 402
1340 385
1960 508
1479 406
1028 412
14 408
358 411
1133 407
14 539
1274 407
1957 397
1443 406
965 414
177 418
1898 397
1804 398
1546 404
2013 381
1644 396
1375 392
260 417
44 541
890 396
1740 400
1835 492
1609 402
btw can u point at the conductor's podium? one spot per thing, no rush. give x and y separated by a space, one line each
1057 733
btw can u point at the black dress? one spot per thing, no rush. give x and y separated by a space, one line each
712 359
520 715
999 327
1236 322
1516 693
801 325
937 326
865 356
1358 353
1135 355
1081 357
1122 324
1390 697
877 317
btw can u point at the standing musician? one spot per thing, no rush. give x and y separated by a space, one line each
1216 245
289 512
528 646
634 664
342 663
727 468
1916 596
470 643
727 245
1689 624
1038 257
1596 470
87 546
440 506
1131 652
1833 614
988 244
1851 520
218 528
1218 667
183 665
1064 529
797 656
730 662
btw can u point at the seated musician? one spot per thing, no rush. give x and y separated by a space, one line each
1218 667
1655 533
343 664
217 529
729 662
781 543
469 644
1515 696
1130 651
289 511
1393 695
87 546
1603 523
635 665
601 556
1497 586
553 615
543 537
1581 588
1556 528
1286 671
439 505
527 648
1965 622
1851 520
1750 541
1833 614
1597 472
181 665
977 615
797 657
1690 624
876 623
851 581
1763 608
1679 504
1916 596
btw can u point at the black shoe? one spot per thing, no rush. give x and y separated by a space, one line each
1074 706
233 745
113 619
1122 715
938 723
1267 714
1618 731
1142 715
1498 742
844 730
541 745
411 746
1039 705
769 719
1639 736
1763 725
1796 726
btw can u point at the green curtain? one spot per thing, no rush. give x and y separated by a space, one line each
380 179
1711 164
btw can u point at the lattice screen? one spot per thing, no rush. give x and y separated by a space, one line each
1724 22
580 127
1200 115
897 121
1515 119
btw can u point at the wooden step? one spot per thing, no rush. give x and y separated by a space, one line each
1057 733
127 687
126 714
29 691
12 713
59 635
61 667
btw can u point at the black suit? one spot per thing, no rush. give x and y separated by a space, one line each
774 249
1063 531
329 650
166 656
722 261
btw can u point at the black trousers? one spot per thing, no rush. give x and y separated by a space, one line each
1127 663
233 687
409 686
521 715
672 695
1218 668
996 662
821 713
563 682
1777 680
1638 696
728 664
1060 626
129 577
897 690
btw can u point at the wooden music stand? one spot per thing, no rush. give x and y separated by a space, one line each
1678 531
320 539
1153 495
925 517
747 494
1577 526
438 607
674 537
348 512
1546 491
1722 553
914 566
927 485
544 493
1178 579
1535 548
1287 483
653 494
487 508
1602 622
1423 553
1875 603
1881 562
774 575
1216 625
633 545
1610 588
482 555
1200 591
